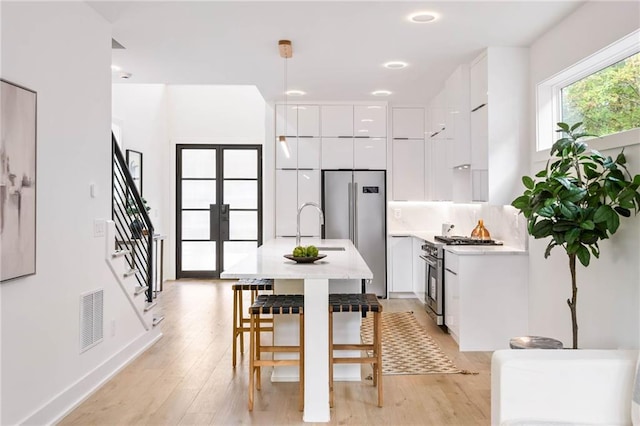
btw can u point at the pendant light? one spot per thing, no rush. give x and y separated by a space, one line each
286 51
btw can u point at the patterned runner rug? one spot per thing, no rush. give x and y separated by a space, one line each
406 346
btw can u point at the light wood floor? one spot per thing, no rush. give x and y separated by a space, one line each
186 377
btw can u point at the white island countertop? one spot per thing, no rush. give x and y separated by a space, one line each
268 261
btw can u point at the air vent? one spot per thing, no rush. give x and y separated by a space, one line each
115 44
91 319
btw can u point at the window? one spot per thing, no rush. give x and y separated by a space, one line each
602 91
607 101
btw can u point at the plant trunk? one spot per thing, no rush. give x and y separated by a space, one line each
572 302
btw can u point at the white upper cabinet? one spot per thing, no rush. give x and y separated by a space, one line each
370 120
437 126
308 121
309 151
370 153
282 160
408 123
408 169
458 113
288 115
479 82
337 120
337 153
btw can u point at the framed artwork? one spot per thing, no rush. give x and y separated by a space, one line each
18 129
134 162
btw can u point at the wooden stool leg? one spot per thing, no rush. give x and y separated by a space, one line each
252 351
258 354
330 359
241 325
301 366
235 326
377 317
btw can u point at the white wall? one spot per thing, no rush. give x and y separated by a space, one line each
608 290
141 110
216 115
43 373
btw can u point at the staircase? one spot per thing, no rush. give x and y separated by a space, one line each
129 243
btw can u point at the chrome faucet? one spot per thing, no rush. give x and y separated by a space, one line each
310 203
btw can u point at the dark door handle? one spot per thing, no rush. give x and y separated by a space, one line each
224 222
214 219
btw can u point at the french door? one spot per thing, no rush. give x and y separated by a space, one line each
218 206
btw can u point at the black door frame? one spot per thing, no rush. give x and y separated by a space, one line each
219 148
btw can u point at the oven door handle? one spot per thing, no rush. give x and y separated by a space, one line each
429 261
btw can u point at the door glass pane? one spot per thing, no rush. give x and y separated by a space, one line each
195 225
199 256
241 194
198 194
240 163
243 225
235 251
198 163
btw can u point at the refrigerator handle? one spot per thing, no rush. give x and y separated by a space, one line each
355 214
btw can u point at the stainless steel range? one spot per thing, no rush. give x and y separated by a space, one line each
434 259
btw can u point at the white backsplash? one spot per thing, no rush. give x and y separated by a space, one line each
503 222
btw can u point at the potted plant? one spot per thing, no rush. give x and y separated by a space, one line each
136 226
577 201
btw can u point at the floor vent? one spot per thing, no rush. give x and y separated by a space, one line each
91 319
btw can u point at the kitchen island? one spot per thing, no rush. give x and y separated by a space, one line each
268 262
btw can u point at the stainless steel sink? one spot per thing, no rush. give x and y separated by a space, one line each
328 248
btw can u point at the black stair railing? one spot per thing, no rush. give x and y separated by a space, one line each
134 230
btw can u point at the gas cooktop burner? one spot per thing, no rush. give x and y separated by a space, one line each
466 241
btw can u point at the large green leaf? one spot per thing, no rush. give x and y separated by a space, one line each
542 229
583 255
572 235
546 211
528 182
521 202
603 213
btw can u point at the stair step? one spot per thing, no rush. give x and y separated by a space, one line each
139 290
130 272
120 253
157 320
149 305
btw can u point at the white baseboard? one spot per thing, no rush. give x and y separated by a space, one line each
67 400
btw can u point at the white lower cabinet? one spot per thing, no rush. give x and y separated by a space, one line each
486 299
401 265
292 189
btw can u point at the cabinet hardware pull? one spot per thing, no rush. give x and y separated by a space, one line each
478 107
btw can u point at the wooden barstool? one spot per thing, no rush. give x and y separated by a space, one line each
240 322
364 303
274 304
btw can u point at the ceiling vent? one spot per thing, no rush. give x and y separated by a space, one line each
115 44
91 319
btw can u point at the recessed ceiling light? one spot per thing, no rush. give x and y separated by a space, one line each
395 65
367 120
423 17
381 93
295 93
115 68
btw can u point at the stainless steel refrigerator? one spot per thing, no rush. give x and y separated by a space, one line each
354 205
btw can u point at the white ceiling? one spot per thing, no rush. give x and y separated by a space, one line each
338 47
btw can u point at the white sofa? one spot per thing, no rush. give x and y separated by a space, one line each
584 386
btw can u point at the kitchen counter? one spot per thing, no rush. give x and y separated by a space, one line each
268 262
461 249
